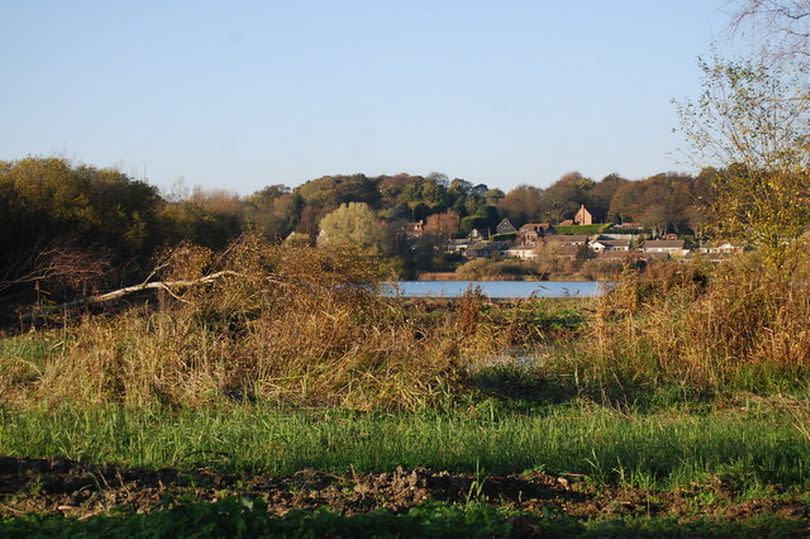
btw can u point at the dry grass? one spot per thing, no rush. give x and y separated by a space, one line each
307 326
296 324
702 326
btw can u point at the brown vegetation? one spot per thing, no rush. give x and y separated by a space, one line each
297 324
308 326
702 326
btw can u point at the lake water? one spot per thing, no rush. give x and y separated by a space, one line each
498 289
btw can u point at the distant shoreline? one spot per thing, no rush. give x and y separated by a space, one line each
452 276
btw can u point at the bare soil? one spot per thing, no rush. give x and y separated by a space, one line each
83 490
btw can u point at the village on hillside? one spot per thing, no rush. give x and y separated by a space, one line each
580 238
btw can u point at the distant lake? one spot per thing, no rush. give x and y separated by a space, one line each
498 289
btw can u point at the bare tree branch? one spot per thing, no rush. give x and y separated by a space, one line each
172 287
780 28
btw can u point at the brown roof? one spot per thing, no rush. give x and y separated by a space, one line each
534 227
664 244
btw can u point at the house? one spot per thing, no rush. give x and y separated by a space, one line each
611 236
525 252
609 245
485 249
598 246
530 233
722 248
564 250
624 256
583 216
570 239
717 252
505 227
652 257
616 245
477 235
458 245
669 247
415 229
567 222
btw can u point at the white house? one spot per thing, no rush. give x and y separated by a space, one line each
670 247
525 252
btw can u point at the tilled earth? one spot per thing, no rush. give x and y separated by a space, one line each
81 490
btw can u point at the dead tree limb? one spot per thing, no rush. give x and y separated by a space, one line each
169 286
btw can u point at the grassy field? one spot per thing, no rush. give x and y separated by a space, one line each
673 467
662 448
297 402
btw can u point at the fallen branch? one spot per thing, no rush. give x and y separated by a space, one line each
169 286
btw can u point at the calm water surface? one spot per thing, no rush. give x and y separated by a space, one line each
498 289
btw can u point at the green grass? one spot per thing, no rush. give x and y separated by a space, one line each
582 229
243 517
759 445
22 356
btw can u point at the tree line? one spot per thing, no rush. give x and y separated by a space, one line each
107 223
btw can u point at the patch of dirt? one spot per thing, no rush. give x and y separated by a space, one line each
80 490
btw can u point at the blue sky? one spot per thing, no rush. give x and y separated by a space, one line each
239 95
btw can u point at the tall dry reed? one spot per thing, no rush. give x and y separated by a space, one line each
705 326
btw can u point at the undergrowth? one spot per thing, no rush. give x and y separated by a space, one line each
308 327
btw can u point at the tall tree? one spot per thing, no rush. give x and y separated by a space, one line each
522 204
598 197
562 198
352 224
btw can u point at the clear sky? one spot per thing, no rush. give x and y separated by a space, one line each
239 95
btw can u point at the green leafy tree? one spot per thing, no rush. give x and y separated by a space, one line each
353 224
47 200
